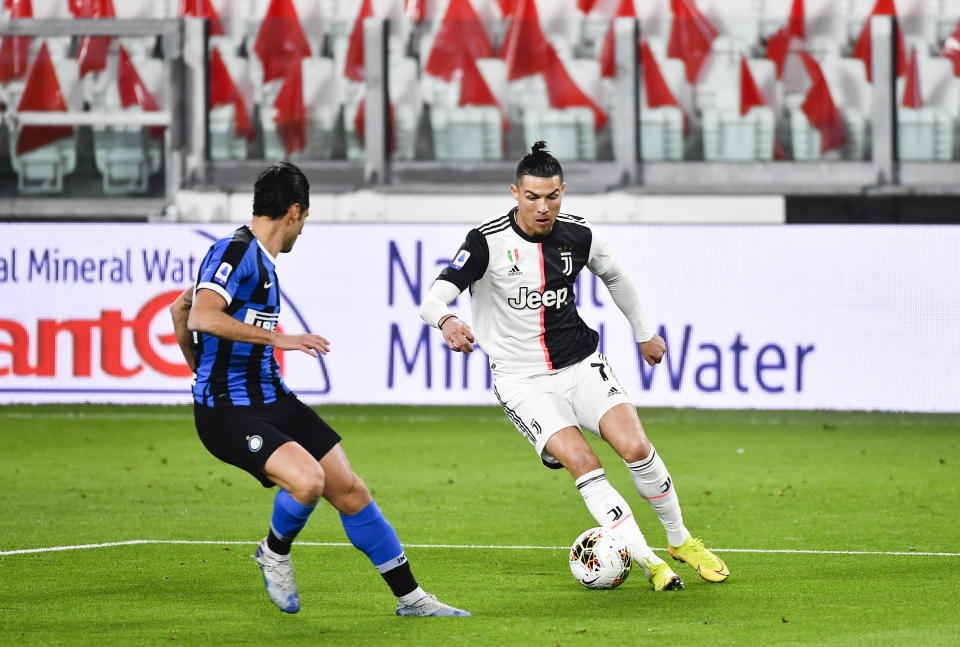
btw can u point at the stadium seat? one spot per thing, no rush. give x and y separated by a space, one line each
655 19
126 156
852 94
571 132
43 169
224 142
467 133
661 134
730 137
407 105
737 20
924 134
322 106
807 141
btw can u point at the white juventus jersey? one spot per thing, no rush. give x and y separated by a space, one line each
523 311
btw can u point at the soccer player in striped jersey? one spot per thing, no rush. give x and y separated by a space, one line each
548 376
245 414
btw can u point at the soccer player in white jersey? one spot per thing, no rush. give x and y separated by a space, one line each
548 376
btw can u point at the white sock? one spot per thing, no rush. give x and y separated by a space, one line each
611 511
412 596
653 483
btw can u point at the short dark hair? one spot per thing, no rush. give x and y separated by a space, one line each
278 187
538 163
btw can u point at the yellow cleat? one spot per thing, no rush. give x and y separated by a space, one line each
706 564
661 576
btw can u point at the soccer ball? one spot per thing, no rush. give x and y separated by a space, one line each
599 559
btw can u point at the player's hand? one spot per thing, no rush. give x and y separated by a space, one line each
310 344
653 349
457 335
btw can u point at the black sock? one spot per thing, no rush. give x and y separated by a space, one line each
277 545
400 579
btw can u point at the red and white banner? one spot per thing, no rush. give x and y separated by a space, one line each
755 316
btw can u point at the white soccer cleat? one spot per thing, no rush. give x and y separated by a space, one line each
278 577
428 605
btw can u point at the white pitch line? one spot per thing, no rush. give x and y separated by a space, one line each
134 542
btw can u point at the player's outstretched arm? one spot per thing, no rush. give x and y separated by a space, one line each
180 312
207 316
456 333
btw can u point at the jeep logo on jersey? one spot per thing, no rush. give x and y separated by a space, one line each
266 320
533 299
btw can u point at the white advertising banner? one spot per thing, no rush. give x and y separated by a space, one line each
755 316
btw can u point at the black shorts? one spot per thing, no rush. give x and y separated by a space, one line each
247 436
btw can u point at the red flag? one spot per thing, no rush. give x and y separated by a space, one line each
655 86
359 124
223 91
474 90
41 92
586 6
750 95
951 49
89 8
280 42
864 46
563 91
912 97
353 69
15 50
417 10
92 53
289 113
132 90
203 9
461 37
690 37
607 63
820 109
524 46
779 44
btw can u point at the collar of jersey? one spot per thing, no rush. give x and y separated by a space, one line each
262 248
520 232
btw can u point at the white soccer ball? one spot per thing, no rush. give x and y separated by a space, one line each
599 559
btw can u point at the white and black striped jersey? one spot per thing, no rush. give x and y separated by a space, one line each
523 311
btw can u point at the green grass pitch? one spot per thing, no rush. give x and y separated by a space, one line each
457 482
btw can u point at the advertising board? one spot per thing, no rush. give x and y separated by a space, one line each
755 316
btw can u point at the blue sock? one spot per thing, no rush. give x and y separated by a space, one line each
371 533
289 517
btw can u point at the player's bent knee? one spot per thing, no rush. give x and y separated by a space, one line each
308 485
579 463
349 497
635 450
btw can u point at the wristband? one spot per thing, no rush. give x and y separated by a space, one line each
443 320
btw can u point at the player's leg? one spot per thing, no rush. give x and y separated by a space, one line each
603 407
370 532
621 427
606 505
301 483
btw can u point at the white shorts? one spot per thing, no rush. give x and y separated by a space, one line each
575 396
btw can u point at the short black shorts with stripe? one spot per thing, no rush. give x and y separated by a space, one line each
246 436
